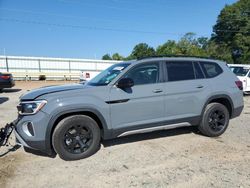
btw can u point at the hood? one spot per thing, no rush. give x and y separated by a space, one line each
31 95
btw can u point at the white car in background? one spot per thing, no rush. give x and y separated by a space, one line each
87 75
242 71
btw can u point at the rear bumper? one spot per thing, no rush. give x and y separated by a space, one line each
237 111
8 84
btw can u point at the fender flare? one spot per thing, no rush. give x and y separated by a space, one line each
218 97
107 133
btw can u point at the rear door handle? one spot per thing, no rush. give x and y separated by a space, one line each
157 90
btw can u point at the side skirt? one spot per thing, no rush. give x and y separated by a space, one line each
164 127
185 122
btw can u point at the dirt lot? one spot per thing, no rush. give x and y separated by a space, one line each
173 158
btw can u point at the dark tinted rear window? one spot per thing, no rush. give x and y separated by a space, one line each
239 71
178 71
211 69
197 71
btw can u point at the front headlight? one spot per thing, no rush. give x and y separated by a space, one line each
30 107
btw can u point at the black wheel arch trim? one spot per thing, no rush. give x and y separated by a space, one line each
220 96
107 133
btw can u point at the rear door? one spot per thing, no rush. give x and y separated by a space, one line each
186 90
141 104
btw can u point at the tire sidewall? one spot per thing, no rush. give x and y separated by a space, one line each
205 128
65 125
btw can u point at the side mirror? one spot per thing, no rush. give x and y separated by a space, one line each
125 83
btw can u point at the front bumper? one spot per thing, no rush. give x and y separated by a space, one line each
33 138
20 141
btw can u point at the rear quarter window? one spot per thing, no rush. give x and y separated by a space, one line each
210 69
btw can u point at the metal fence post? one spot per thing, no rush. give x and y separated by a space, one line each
39 65
69 70
69 66
7 64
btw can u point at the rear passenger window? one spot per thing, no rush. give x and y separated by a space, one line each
197 71
211 69
178 71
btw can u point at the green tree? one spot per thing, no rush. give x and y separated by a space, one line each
142 50
221 52
168 48
106 57
117 56
203 42
191 46
232 31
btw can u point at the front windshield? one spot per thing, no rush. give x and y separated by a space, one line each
239 71
106 76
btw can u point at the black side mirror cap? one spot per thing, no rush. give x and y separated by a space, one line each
125 83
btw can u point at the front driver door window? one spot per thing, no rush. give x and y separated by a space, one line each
144 74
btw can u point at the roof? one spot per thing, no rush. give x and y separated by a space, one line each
239 65
182 58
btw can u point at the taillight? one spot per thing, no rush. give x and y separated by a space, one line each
5 77
239 84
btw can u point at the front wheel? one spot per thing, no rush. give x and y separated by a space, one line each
76 137
215 120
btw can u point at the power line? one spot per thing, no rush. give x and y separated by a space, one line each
107 29
100 5
85 17
232 31
59 15
134 3
87 27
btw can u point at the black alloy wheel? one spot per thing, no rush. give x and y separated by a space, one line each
215 120
77 139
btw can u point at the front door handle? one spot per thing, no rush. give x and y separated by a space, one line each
200 86
157 90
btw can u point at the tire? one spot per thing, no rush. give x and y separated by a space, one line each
76 137
215 120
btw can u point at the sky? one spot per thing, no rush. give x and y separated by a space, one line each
92 28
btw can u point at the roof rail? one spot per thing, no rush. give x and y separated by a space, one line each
147 57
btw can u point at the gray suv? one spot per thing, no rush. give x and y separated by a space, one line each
129 98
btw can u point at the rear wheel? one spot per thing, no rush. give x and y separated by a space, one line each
215 120
76 137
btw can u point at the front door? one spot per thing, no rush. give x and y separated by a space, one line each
141 104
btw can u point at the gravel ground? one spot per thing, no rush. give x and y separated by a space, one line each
172 158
